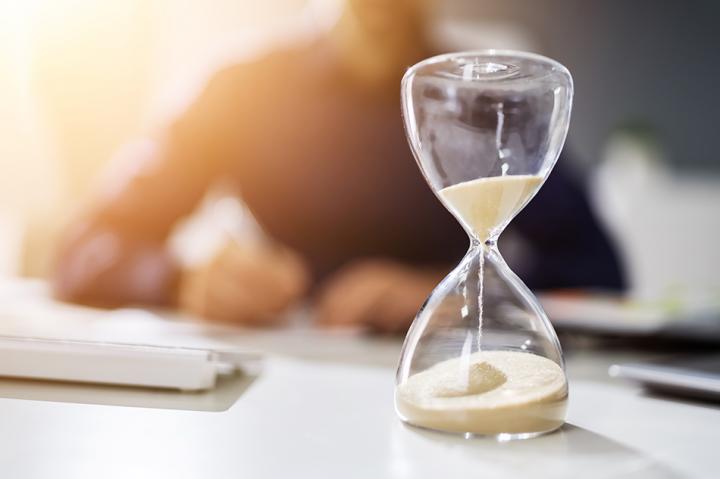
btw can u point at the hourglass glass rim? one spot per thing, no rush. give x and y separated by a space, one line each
555 66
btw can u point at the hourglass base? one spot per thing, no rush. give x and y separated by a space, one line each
503 426
500 437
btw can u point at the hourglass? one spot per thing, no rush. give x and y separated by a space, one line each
481 357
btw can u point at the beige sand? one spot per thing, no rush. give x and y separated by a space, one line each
487 203
486 393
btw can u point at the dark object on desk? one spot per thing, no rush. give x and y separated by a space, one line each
689 376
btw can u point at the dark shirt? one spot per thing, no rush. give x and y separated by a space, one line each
323 163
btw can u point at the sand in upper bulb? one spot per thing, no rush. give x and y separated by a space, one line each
486 393
486 203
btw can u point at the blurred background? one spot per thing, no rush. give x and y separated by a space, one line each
78 78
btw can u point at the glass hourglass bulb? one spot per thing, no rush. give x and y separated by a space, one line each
481 357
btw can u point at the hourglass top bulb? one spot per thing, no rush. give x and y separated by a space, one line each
490 114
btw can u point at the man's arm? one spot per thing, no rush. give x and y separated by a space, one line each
115 254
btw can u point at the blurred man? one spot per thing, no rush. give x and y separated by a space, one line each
313 138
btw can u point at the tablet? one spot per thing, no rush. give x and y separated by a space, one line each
693 376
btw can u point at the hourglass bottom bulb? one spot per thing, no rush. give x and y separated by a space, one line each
486 393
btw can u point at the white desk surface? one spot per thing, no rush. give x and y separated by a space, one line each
321 407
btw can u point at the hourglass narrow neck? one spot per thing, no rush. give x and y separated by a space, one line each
489 244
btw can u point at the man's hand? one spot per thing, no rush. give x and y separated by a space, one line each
245 284
382 296
99 267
